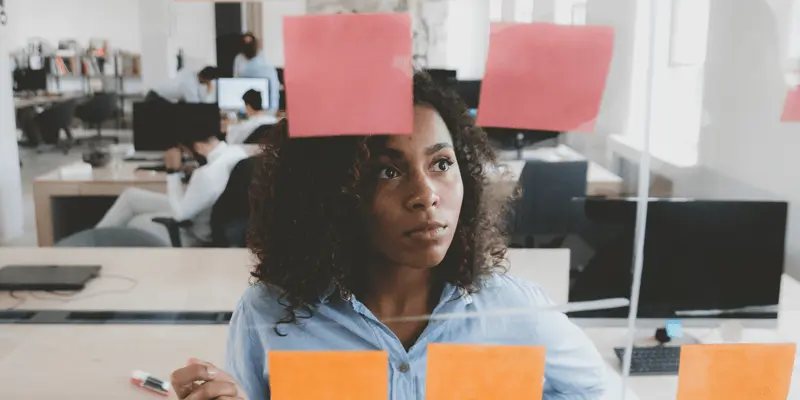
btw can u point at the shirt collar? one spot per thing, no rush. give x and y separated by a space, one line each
450 292
217 151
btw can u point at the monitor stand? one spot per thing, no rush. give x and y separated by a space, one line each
660 338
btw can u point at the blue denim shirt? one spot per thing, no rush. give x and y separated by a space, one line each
574 369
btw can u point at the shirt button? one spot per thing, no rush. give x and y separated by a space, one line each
403 368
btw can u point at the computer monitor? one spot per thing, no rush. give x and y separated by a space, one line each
158 126
470 92
153 126
541 214
231 90
699 255
197 121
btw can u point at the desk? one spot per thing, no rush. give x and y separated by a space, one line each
95 362
51 194
601 182
38 101
57 199
140 279
666 387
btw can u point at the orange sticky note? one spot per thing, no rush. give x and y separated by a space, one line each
544 76
791 110
348 74
462 372
315 375
735 371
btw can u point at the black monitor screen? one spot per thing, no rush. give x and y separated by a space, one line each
153 126
196 122
470 92
698 255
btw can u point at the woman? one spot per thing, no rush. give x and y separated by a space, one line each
251 63
355 235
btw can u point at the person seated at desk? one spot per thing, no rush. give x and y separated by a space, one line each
256 117
358 239
189 86
251 63
136 207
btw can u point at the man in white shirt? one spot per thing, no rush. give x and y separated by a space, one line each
256 117
189 86
135 208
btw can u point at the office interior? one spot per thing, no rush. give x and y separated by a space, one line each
692 126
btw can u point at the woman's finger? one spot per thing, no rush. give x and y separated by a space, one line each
214 390
183 379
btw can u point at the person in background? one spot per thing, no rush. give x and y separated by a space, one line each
135 208
256 118
358 239
251 63
189 86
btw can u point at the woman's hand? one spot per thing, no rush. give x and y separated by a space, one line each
200 380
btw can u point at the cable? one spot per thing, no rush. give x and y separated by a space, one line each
20 301
70 297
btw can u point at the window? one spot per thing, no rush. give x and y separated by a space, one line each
495 10
689 32
679 48
579 14
523 10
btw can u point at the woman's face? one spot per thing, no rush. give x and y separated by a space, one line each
417 198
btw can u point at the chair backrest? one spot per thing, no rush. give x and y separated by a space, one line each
52 120
60 115
258 134
113 237
230 213
547 190
101 107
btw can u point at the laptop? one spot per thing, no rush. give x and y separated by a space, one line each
46 277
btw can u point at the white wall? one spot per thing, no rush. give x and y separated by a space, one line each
11 221
54 20
468 37
615 107
274 11
194 32
744 94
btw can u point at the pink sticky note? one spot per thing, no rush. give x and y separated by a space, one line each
348 74
544 76
791 111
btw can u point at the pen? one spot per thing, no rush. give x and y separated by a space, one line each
146 381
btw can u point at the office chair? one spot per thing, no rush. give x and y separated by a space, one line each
112 237
55 119
258 134
280 74
541 213
100 108
230 213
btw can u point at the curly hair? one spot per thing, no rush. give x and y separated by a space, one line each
306 201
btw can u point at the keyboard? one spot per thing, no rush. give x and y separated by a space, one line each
662 360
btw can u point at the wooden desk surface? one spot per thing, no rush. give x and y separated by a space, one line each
74 362
25 102
140 279
126 173
106 181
